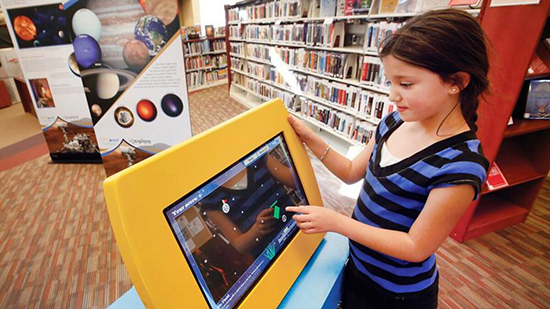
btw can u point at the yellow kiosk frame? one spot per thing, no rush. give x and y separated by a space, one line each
137 196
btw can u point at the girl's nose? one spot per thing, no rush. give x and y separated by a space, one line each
394 96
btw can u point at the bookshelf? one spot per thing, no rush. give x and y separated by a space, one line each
205 61
282 45
520 150
326 79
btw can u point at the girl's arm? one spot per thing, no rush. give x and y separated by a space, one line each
442 210
349 171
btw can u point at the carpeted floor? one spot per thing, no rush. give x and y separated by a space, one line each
19 124
58 251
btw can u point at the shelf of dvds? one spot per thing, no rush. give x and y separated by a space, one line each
520 150
205 62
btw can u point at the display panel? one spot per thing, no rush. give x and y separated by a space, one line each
139 200
231 227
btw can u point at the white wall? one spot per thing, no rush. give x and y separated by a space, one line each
212 12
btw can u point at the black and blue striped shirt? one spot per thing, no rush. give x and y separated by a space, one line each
392 197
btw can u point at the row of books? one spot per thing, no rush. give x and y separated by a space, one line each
357 101
349 126
237 49
377 32
192 63
300 8
270 92
269 10
336 34
195 32
206 46
312 34
340 122
372 72
201 78
332 64
354 129
332 8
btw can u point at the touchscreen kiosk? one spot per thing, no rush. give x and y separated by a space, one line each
203 224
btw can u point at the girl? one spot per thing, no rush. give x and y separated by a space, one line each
421 170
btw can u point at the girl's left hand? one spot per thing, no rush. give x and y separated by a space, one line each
314 219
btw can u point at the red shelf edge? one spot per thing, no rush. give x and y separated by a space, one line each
492 215
485 191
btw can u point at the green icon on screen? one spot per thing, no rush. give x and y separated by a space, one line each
270 252
276 210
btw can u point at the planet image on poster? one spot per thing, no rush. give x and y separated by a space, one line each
136 54
108 82
73 65
86 50
24 27
151 31
124 117
146 110
107 85
52 26
86 22
165 10
96 109
171 105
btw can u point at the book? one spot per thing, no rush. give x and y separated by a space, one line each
495 178
387 6
465 3
328 8
405 6
538 100
209 31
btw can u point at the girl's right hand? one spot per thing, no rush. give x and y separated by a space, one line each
303 131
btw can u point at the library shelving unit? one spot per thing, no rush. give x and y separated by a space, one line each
520 150
205 61
325 69
263 60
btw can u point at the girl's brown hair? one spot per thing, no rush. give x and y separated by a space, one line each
445 42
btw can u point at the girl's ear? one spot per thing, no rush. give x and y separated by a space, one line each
460 80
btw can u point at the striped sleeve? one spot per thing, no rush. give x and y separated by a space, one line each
469 168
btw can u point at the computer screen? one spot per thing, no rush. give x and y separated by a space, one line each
234 225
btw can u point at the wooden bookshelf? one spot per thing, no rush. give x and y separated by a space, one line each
359 120
215 81
204 39
524 126
495 213
522 149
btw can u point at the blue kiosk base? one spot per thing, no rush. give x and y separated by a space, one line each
319 286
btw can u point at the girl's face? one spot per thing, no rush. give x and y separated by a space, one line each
418 93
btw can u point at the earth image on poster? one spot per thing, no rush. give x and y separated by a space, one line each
151 31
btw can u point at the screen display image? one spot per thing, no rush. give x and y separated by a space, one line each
233 226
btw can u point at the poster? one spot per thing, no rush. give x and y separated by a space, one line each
130 57
41 35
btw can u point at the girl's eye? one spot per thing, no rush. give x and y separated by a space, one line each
406 85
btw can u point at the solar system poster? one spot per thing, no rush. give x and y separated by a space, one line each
42 40
130 57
